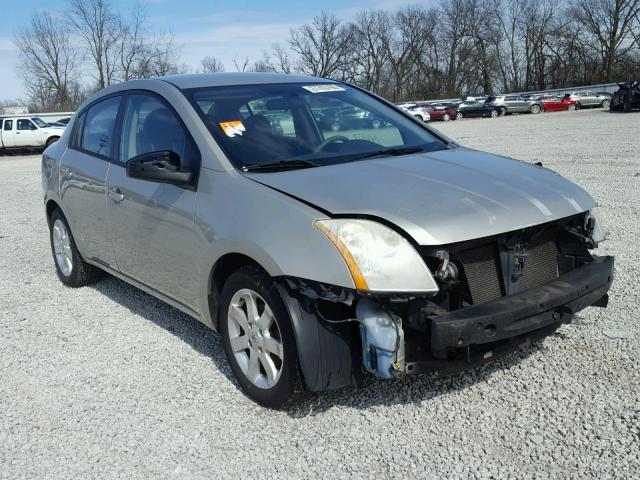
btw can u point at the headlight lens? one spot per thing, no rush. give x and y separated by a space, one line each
592 222
379 259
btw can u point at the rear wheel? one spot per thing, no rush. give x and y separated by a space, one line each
72 270
494 114
503 112
258 337
571 107
459 116
578 106
606 103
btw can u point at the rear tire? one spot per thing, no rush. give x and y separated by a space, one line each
72 270
578 106
494 114
503 112
248 304
459 116
605 103
571 108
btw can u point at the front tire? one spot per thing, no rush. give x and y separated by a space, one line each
605 103
418 117
459 116
258 337
51 141
535 109
494 114
446 117
72 270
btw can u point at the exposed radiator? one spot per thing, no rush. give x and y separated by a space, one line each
484 273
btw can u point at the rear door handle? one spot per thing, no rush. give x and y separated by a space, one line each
116 195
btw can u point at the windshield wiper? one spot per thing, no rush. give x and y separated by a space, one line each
280 165
388 152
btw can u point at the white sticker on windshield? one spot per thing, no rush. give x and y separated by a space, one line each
324 88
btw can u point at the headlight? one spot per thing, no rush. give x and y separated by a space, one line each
592 224
379 259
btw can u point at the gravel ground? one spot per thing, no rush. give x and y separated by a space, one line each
106 381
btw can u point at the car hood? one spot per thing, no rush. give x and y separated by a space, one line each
438 197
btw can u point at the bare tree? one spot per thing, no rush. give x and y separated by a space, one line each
211 64
49 62
611 23
101 30
323 46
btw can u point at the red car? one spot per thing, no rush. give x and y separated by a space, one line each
442 112
557 104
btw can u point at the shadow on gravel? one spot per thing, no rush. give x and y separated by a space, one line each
374 393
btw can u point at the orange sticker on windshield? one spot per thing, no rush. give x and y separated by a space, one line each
231 129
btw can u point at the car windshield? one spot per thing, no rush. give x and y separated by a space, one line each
39 122
295 125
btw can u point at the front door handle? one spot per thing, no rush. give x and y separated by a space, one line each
116 195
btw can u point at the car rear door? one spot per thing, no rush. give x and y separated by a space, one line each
8 133
151 223
83 173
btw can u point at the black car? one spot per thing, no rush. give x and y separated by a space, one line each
477 109
627 96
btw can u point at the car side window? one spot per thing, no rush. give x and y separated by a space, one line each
99 127
25 125
150 125
8 125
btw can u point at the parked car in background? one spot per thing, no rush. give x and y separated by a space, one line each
443 113
320 258
556 104
63 122
27 132
588 99
627 97
349 119
419 111
468 109
516 104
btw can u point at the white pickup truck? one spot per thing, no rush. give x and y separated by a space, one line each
27 132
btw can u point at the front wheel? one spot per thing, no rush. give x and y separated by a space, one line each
258 337
72 270
446 117
605 103
494 114
535 109
459 116
503 112
571 107
51 141
418 117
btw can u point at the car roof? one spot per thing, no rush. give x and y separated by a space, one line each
200 80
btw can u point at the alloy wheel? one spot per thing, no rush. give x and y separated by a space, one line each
255 338
62 248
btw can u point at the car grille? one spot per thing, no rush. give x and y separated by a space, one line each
483 271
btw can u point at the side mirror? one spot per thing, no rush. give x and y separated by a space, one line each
164 166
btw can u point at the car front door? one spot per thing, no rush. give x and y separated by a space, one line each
27 134
151 223
83 173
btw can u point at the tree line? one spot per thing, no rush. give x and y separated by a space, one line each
452 49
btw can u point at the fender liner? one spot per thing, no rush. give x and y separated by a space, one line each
325 351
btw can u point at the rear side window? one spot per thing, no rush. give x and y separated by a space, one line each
150 125
99 127
8 124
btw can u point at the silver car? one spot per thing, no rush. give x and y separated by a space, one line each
516 104
587 98
321 257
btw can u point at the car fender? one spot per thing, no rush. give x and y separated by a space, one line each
233 210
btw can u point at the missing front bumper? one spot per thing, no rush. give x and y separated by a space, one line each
519 314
